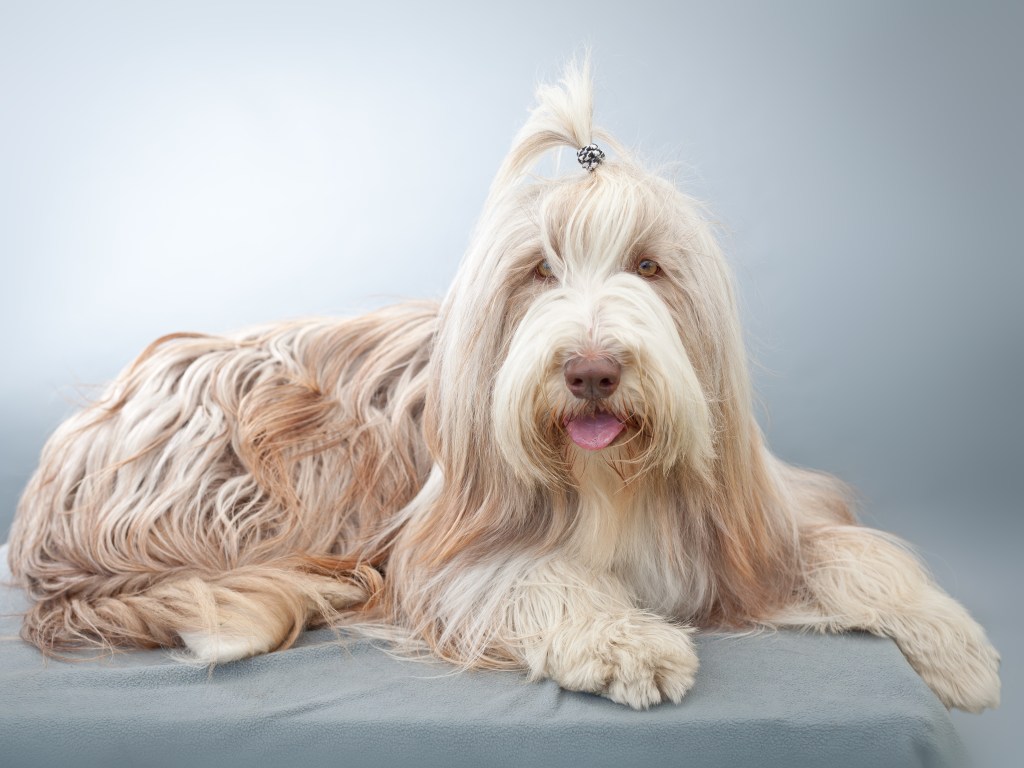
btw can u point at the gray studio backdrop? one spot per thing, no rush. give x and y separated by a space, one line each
205 166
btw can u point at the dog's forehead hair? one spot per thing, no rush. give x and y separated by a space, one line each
599 224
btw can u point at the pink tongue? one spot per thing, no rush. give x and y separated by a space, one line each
592 433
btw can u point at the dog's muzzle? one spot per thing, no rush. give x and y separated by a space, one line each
593 379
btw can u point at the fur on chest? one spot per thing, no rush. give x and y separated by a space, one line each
631 531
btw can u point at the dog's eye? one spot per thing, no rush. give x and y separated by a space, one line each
544 271
647 268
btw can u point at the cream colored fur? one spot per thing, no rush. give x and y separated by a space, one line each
408 472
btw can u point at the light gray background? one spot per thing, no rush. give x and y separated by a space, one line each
205 166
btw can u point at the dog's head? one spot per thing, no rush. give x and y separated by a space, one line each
592 318
593 326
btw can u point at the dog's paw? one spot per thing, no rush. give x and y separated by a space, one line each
636 660
961 667
208 648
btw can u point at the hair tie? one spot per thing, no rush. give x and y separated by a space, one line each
590 156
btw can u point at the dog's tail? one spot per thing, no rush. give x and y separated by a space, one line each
218 617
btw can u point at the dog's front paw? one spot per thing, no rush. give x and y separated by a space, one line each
962 668
951 653
636 660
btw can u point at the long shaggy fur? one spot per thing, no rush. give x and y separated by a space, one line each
412 468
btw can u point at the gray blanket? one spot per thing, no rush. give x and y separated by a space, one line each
767 699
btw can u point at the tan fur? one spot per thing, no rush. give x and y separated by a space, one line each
411 469
215 467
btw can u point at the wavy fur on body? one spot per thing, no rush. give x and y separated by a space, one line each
412 468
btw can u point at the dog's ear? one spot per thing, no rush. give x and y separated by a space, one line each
562 118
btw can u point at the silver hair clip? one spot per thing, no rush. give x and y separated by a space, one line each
590 156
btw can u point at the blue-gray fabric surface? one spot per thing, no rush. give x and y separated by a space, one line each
764 699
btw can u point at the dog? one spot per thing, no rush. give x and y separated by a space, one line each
556 470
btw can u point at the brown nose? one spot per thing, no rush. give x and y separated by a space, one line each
592 378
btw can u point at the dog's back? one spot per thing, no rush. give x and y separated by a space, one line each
226 472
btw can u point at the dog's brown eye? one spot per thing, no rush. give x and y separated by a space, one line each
543 270
647 268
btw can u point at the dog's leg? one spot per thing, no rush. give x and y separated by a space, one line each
859 578
259 609
581 630
220 617
245 614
